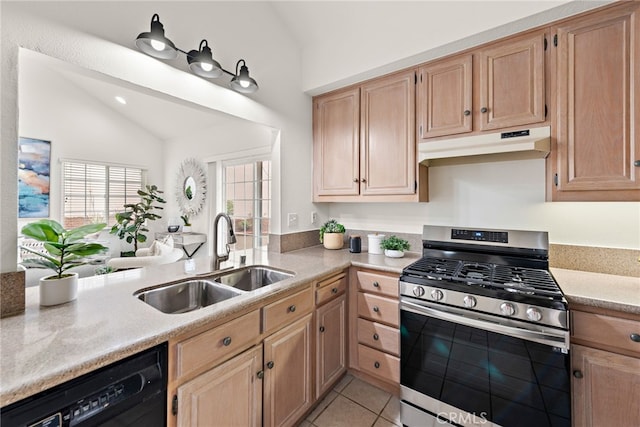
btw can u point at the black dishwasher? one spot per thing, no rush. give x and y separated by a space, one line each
130 392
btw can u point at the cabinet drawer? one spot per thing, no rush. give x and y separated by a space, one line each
330 289
380 364
283 312
378 284
379 336
380 309
606 330
214 346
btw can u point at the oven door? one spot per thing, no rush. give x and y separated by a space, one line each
462 367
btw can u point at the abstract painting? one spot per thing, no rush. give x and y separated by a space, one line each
33 177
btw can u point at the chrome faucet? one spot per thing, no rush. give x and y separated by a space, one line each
231 238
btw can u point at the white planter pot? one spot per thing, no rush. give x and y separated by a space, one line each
374 243
58 291
186 229
333 240
393 254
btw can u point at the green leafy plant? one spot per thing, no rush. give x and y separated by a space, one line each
65 248
185 219
131 224
331 226
394 243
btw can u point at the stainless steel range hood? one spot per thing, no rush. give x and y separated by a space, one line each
532 143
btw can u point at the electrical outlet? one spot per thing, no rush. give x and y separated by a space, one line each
314 217
292 219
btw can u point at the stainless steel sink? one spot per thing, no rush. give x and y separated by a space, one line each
187 296
252 277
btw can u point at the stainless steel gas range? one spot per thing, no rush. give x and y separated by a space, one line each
484 332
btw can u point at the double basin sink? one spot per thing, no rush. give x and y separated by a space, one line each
190 295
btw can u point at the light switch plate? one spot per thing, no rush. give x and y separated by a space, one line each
292 220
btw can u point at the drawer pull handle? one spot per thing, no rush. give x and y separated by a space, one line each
635 337
226 341
376 284
270 365
321 328
260 375
376 337
334 290
376 365
577 374
376 309
292 308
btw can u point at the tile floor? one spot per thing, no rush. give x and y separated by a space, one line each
354 403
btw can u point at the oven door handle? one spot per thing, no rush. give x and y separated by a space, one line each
546 336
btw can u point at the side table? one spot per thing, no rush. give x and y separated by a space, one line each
183 240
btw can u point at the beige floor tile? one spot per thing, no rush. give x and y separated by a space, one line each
305 423
343 383
322 406
367 395
381 422
342 412
391 412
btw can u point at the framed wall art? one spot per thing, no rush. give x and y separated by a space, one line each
34 167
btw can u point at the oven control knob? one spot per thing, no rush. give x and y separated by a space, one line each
469 301
418 291
534 314
507 309
437 294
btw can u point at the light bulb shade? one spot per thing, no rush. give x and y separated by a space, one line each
242 82
154 43
202 63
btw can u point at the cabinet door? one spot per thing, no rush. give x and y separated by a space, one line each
597 135
512 84
335 143
606 388
445 97
388 154
287 374
228 395
330 343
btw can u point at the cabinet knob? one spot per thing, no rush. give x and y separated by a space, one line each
636 163
321 328
376 284
260 375
292 308
376 337
467 113
355 180
577 373
334 290
226 341
483 110
376 309
376 365
363 180
635 337
270 365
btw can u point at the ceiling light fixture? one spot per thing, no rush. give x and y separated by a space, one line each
201 62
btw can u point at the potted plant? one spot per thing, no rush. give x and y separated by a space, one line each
332 234
394 247
186 228
65 250
132 223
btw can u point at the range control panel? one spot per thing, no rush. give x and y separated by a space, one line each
480 235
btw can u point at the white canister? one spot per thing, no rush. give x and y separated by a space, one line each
374 243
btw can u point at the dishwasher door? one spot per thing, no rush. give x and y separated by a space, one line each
130 392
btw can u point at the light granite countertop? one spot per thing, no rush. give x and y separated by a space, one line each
47 346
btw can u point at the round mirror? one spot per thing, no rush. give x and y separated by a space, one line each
191 187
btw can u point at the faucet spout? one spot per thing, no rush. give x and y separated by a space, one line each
231 239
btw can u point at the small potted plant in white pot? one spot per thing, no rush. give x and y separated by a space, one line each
332 234
65 250
394 247
186 228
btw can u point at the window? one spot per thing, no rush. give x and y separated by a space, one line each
247 195
94 192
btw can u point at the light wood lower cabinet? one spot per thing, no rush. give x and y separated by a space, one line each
228 395
331 341
287 374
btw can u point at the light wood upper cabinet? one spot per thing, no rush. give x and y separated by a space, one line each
336 144
512 84
445 97
597 138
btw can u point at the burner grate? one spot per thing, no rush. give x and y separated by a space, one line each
435 267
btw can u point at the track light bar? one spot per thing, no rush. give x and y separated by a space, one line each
155 43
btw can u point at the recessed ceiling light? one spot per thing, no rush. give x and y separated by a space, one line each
121 100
